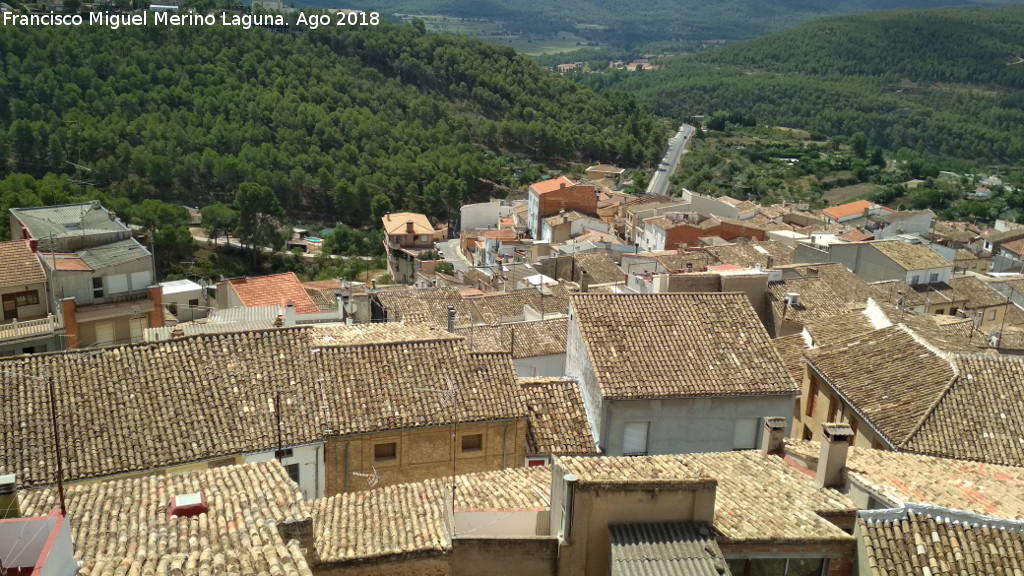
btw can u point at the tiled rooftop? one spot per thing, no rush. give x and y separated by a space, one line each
600 267
850 209
430 305
920 539
550 185
678 345
19 264
397 223
791 349
145 406
382 333
558 419
900 477
980 416
409 518
887 375
748 255
500 307
839 327
525 339
635 471
557 219
817 300
273 290
911 256
121 527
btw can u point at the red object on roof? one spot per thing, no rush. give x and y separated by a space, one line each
274 290
856 236
851 209
545 186
1017 247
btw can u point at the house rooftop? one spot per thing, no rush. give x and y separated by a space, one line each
750 254
557 219
179 286
888 376
665 548
679 345
122 525
901 541
911 256
273 290
600 267
19 264
524 339
398 223
428 305
148 406
1016 247
850 209
899 477
71 219
545 186
501 307
606 168
113 254
558 420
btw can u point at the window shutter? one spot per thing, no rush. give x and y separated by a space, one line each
634 438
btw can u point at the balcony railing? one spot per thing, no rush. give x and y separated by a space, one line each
29 328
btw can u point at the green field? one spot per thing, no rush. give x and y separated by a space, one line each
495 32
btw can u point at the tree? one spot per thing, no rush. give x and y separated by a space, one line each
153 214
859 144
877 158
218 220
379 206
259 216
174 245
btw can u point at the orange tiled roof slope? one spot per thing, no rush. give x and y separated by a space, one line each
558 419
887 376
904 542
146 406
545 186
121 526
19 264
678 345
274 290
850 209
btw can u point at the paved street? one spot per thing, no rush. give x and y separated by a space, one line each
676 149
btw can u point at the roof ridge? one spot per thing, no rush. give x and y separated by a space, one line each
938 400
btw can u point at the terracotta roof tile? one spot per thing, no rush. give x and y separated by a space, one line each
545 186
146 406
500 307
748 255
911 256
847 210
900 477
530 339
273 290
678 345
906 541
429 305
121 526
893 381
791 349
19 264
558 419
600 267
397 223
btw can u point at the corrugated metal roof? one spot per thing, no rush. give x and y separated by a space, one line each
678 548
237 319
99 257
87 218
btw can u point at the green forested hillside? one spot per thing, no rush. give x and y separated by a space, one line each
329 120
627 22
944 82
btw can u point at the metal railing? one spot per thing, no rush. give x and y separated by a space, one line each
28 328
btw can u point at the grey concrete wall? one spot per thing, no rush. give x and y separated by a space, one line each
508 556
551 365
482 215
681 426
578 366
805 254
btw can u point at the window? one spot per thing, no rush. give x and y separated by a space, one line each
812 397
933 278
137 326
532 462
808 435
385 452
173 308
634 439
97 287
915 280
940 311
777 566
192 303
833 407
286 453
472 442
117 283
141 280
104 333
744 435
991 315
293 472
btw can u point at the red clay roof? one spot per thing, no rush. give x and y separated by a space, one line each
19 264
851 209
551 185
274 290
856 236
1017 247
61 261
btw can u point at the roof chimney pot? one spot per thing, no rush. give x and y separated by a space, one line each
773 436
834 448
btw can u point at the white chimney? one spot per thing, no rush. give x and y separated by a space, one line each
289 315
832 459
773 435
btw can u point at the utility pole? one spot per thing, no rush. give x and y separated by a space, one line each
56 444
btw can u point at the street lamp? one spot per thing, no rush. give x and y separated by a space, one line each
56 437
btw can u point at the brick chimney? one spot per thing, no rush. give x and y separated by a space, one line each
33 245
67 310
773 435
584 281
408 227
834 447
156 317
302 532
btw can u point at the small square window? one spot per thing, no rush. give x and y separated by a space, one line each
286 453
472 442
193 302
933 278
991 315
915 280
293 472
385 452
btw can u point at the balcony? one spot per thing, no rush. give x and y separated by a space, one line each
28 329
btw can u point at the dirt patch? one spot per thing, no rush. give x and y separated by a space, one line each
846 194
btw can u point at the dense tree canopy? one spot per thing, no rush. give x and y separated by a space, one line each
327 120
